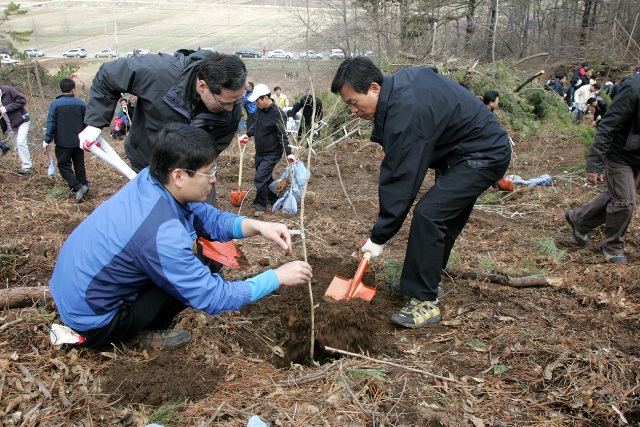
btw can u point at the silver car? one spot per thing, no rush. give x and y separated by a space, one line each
77 52
34 52
106 53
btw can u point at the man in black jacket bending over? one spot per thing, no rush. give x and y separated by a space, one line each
201 89
424 120
269 130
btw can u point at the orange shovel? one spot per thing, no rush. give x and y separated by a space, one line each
345 289
238 196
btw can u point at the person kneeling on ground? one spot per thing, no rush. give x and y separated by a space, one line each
129 268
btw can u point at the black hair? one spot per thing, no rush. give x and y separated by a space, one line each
268 95
359 73
276 88
560 76
180 146
490 96
591 100
219 70
597 86
67 85
253 86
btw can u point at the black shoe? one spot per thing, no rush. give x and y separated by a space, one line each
417 314
167 339
5 149
396 287
615 259
80 193
582 239
26 171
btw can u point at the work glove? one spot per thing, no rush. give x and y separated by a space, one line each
291 158
243 139
3 110
45 145
374 248
88 137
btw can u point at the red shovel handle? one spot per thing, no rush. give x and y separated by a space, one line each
357 278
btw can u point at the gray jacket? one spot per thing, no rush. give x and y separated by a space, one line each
164 86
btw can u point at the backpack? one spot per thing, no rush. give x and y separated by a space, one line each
118 123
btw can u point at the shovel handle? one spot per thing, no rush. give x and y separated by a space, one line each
357 278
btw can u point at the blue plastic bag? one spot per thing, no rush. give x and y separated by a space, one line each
51 171
293 195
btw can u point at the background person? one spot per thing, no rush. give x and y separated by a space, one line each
306 104
270 133
280 98
491 99
614 157
64 122
16 121
128 269
450 132
200 88
249 106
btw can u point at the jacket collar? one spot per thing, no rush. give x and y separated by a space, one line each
381 109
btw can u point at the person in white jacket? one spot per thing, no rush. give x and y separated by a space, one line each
580 99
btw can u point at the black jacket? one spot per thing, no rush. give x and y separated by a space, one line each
164 85
306 104
65 120
425 120
618 133
270 131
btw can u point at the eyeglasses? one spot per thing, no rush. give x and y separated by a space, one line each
225 105
211 174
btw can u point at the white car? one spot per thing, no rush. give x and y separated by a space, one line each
7 60
106 53
311 55
336 54
34 52
77 52
279 53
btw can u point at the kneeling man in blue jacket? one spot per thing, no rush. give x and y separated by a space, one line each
129 268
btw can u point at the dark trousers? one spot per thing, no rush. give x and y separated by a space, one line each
263 177
438 219
614 207
71 166
153 309
250 119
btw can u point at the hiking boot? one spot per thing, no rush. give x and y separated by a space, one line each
80 193
26 171
417 314
615 259
166 339
5 149
582 239
396 288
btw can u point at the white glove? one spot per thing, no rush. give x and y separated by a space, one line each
3 110
88 137
291 158
374 248
243 139
45 145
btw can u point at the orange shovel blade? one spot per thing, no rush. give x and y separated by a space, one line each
237 197
225 253
340 289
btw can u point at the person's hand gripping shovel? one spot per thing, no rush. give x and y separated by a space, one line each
237 196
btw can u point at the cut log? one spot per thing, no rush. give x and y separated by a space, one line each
516 282
23 296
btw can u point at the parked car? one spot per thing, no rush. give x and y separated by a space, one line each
210 49
138 52
7 60
248 53
77 52
6 51
106 53
34 52
336 54
279 53
311 55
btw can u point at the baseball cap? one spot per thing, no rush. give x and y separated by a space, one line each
258 91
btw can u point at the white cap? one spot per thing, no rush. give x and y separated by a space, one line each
258 91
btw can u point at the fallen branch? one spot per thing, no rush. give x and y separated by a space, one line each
529 80
10 324
24 296
528 58
384 362
516 282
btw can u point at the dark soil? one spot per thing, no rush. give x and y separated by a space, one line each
546 355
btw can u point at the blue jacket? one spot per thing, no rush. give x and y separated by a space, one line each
425 120
65 120
251 107
142 237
